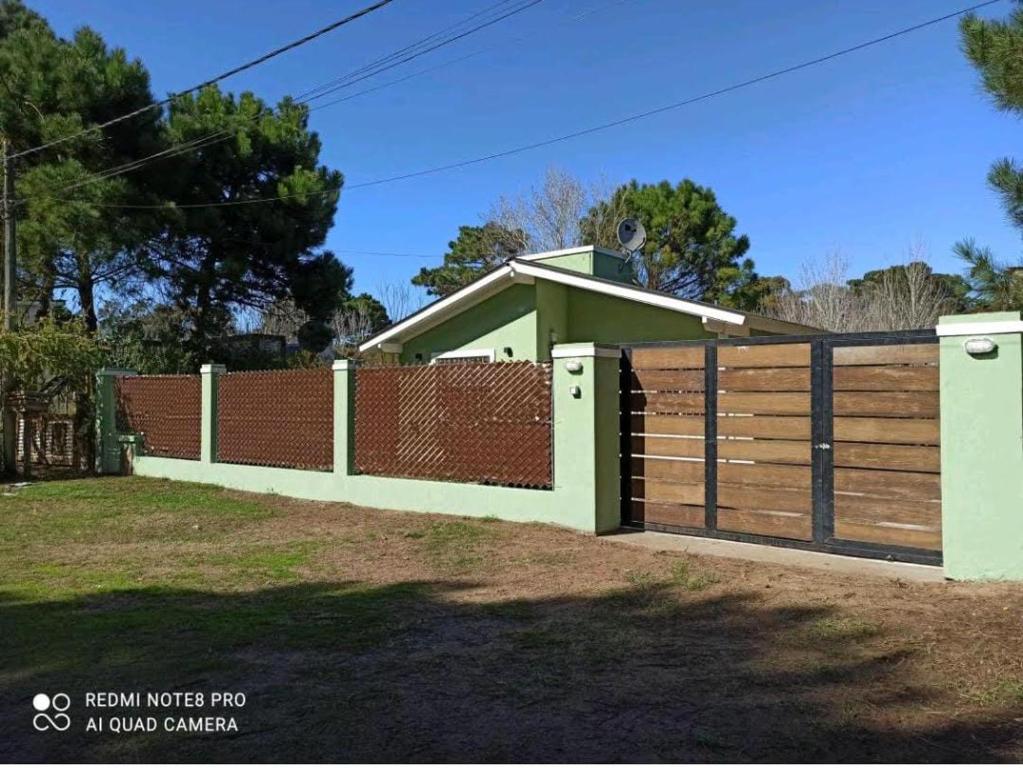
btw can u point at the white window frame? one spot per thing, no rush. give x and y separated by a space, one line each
454 354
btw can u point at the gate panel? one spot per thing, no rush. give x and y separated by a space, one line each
827 442
663 395
887 457
764 451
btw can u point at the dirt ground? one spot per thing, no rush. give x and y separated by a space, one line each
367 635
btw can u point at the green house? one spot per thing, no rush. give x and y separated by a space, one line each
519 310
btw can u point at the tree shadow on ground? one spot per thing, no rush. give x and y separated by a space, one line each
417 671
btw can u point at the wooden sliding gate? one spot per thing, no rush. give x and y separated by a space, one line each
818 442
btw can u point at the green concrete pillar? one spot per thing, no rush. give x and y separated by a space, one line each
982 446
344 417
586 448
208 450
108 448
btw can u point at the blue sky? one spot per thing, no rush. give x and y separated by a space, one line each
865 154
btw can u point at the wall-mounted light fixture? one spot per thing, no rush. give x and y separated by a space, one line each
975 347
575 391
508 351
574 366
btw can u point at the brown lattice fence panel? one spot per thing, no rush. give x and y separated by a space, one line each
165 410
474 422
277 418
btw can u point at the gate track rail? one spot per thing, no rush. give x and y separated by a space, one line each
822 439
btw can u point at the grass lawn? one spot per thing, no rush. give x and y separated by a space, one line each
359 634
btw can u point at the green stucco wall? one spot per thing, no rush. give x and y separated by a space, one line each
982 454
507 319
585 492
593 262
609 320
524 317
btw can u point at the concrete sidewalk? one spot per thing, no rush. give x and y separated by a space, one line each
697 545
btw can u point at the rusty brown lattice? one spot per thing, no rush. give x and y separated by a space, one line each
473 422
277 418
165 410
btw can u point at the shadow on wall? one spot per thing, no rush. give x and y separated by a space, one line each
419 672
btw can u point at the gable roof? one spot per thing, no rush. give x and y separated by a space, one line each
528 269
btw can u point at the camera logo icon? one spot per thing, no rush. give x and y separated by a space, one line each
51 712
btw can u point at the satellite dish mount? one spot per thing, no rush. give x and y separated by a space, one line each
632 236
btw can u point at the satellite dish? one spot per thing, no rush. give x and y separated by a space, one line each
631 234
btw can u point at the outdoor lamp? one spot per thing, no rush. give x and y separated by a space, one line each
976 347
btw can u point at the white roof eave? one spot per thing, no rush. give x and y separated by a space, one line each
527 271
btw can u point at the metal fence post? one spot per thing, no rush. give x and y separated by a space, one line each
210 373
344 417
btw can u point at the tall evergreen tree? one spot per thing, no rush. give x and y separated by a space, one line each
995 48
472 254
75 241
692 249
243 254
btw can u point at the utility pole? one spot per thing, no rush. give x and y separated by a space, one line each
10 299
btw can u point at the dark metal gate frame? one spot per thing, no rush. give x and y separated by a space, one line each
821 431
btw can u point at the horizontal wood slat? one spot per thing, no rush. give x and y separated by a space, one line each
679 447
782 403
664 402
773 475
668 357
758 497
664 491
666 469
776 451
875 430
791 427
883 378
867 510
888 354
888 485
912 458
894 404
885 440
764 356
878 534
668 425
684 515
668 381
765 380
786 525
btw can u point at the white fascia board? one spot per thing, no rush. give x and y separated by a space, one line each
632 294
980 329
441 310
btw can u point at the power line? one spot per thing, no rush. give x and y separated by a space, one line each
678 104
603 126
223 76
383 64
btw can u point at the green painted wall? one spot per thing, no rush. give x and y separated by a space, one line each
577 262
592 262
523 317
982 455
610 320
507 319
551 316
585 493
611 268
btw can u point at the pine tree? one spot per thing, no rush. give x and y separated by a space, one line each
995 48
